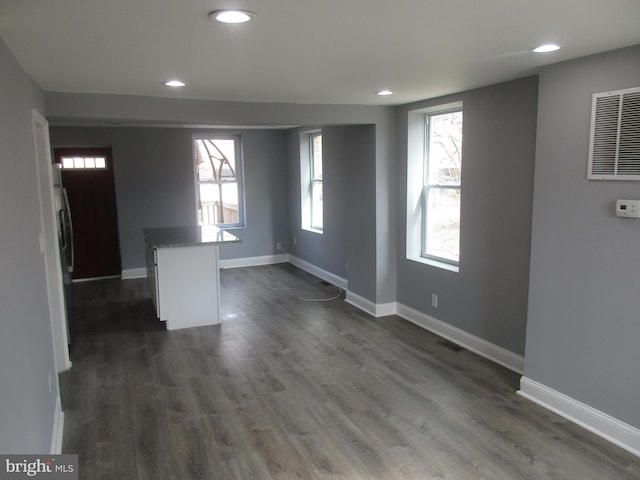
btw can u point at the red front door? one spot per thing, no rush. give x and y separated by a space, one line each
87 176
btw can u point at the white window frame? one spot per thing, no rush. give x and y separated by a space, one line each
239 173
308 183
418 188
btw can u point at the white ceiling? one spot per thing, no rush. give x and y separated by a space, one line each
304 51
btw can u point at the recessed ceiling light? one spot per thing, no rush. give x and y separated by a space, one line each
175 83
232 16
383 93
549 47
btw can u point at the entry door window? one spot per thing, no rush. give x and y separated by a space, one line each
69 162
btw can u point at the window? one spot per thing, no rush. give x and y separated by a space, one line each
83 163
311 181
434 185
220 193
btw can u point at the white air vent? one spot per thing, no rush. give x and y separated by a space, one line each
614 150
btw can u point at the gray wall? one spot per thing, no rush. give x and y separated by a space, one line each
347 247
155 187
584 301
27 406
488 296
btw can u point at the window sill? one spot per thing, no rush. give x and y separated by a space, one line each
435 263
230 227
313 230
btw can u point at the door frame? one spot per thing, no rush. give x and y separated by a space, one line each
49 247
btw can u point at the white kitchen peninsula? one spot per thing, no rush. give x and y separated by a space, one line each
183 273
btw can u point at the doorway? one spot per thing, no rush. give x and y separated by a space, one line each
87 177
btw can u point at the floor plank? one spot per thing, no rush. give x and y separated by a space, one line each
286 389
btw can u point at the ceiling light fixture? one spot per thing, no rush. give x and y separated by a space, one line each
175 83
385 92
232 16
549 47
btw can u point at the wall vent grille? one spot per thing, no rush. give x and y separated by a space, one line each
614 149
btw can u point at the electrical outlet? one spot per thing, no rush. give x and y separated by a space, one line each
50 382
278 247
434 300
295 240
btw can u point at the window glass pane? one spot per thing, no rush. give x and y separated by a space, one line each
218 180
82 163
316 205
203 165
445 148
219 203
216 159
317 157
442 226
228 165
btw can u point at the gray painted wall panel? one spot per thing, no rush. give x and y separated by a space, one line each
387 220
584 302
488 297
27 407
365 240
347 248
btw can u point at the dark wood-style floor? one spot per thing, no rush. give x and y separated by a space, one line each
285 389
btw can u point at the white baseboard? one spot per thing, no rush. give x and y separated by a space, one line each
373 309
319 272
606 426
362 303
386 309
58 429
253 261
132 273
486 349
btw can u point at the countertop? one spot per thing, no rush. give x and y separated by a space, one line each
188 236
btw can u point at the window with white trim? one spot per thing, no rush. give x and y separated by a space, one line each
220 190
311 186
434 185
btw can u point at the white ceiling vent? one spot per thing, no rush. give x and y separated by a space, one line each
614 149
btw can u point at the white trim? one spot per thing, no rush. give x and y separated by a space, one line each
93 279
49 241
416 164
319 272
131 273
486 349
435 263
373 309
58 429
386 309
362 303
228 263
253 261
606 426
